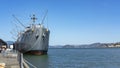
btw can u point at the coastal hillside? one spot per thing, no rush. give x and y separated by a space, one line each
93 45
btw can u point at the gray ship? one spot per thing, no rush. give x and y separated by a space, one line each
34 39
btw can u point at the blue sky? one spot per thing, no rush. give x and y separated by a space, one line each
70 21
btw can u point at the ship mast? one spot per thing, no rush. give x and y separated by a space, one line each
19 21
33 18
44 17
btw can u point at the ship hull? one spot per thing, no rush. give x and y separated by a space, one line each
37 52
34 41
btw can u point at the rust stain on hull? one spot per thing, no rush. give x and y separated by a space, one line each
36 52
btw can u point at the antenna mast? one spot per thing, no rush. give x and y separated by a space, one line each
33 18
44 17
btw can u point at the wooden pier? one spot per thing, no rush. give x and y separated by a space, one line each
9 61
13 60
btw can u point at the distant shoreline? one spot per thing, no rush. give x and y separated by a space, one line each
94 45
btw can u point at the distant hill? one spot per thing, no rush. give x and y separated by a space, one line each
56 46
9 42
93 45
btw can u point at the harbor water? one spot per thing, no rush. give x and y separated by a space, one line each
77 58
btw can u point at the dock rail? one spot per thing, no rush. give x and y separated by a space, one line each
23 62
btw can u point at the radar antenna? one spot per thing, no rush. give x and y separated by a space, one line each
33 18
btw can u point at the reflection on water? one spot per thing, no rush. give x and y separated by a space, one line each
38 61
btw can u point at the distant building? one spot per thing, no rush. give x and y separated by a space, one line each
116 45
3 45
